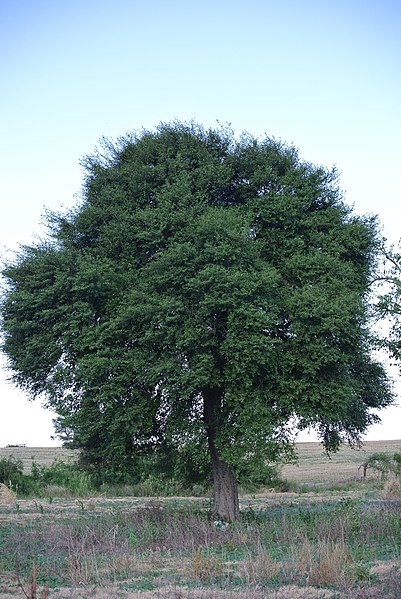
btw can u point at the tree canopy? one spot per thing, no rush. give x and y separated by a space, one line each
389 305
207 290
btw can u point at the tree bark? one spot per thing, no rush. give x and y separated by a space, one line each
225 488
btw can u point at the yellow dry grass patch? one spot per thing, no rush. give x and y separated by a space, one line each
392 489
259 567
326 564
7 497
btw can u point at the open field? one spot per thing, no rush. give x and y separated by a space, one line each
335 541
315 467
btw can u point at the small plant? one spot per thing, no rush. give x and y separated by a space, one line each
397 464
30 591
39 507
349 516
198 490
323 564
36 470
259 567
205 565
362 573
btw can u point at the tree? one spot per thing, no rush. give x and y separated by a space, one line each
384 463
206 291
388 281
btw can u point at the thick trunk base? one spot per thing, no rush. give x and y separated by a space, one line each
226 504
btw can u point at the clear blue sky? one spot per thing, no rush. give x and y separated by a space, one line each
323 75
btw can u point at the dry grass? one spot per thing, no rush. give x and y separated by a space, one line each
259 566
292 546
324 564
7 497
112 591
392 489
205 565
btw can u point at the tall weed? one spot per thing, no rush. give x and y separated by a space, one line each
323 564
205 565
259 567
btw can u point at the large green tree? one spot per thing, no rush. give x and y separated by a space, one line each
206 290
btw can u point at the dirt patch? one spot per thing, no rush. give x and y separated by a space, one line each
386 569
170 592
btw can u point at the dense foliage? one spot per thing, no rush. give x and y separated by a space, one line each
389 305
206 292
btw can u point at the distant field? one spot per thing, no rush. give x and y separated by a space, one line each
100 546
43 456
313 466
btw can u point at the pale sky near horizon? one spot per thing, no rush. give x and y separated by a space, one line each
325 76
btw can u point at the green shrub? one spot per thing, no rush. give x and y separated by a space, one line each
12 475
397 464
10 470
60 474
384 463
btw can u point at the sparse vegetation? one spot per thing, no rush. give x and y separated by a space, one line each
329 545
326 543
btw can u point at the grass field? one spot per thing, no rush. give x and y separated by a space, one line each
284 547
340 540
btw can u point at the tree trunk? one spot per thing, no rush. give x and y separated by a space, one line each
225 489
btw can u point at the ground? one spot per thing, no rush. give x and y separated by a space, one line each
334 536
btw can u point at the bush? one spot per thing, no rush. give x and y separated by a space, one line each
68 476
12 475
384 463
186 466
10 470
66 479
